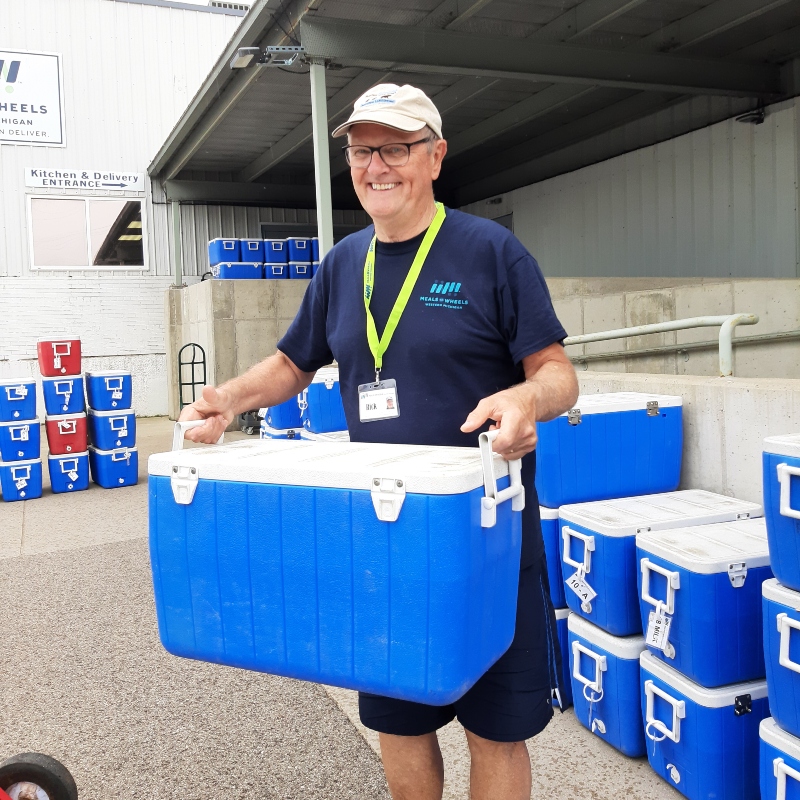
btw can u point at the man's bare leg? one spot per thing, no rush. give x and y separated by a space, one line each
498 769
413 766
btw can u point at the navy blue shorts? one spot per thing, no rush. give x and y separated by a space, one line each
511 701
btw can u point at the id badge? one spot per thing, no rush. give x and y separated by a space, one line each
378 401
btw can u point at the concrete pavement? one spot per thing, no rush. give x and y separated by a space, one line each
85 679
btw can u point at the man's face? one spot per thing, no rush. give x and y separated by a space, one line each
394 192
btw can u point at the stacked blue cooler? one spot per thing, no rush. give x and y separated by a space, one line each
69 472
236 258
20 435
321 409
281 421
300 257
113 455
276 259
780 735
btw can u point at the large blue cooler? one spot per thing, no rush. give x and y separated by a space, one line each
780 762
605 684
275 251
114 468
599 541
17 399
69 473
63 395
110 430
565 681
223 250
781 607
552 552
299 249
300 271
268 432
704 582
247 270
21 480
20 441
276 271
285 415
251 250
610 445
704 742
321 408
331 436
781 476
386 568
109 389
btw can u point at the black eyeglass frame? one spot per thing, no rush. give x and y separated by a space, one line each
407 145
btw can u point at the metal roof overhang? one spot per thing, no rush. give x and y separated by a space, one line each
527 88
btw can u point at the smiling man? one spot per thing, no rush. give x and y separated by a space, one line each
442 326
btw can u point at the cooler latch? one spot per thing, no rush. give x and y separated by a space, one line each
652 408
737 574
388 495
574 416
743 704
184 482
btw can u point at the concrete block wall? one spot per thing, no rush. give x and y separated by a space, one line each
725 422
590 305
238 324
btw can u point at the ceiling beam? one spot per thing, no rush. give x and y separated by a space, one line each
450 13
283 195
583 19
369 44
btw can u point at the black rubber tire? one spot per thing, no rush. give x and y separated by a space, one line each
42 770
249 431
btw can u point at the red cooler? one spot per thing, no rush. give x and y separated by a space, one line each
66 433
59 356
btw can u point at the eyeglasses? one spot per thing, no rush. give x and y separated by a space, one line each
395 154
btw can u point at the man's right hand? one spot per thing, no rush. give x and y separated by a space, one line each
216 408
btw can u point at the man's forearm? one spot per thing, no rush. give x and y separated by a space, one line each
269 383
555 389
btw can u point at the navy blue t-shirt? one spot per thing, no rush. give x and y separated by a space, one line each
480 305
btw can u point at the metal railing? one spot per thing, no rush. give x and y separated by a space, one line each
726 323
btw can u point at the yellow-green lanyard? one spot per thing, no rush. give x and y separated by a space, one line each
378 347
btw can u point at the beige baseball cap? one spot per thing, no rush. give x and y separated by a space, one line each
405 108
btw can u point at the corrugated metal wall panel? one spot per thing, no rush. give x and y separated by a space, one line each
722 201
129 71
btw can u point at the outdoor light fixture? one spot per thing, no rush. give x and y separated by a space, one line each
269 57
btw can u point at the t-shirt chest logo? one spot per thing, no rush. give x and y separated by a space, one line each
444 294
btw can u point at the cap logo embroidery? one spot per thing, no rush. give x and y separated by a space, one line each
373 98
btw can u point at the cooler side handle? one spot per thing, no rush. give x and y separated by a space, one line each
182 427
514 492
785 625
600 666
588 546
673 584
678 713
785 473
782 771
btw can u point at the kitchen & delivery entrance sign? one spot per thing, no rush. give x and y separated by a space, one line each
31 99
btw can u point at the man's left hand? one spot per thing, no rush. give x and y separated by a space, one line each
514 411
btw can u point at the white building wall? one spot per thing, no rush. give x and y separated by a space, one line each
719 202
129 71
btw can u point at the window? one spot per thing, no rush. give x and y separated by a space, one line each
85 233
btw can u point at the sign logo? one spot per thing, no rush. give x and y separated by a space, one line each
445 288
9 71
444 294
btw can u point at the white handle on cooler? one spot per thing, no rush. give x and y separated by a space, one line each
782 772
600 666
514 492
678 713
785 625
673 584
785 473
182 427
588 547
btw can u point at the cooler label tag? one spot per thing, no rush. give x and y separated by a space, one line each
21 483
116 395
73 476
578 584
658 627
378 401
21 391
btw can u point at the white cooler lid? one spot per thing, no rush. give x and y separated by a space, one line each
331 436
771 733
548 513
17 422
786 445
93 449
326 373
337 465
622 401
268 429
773 590
655 512
627 647
106 372
562 613
120 412
16 381
708 549
709 698
58 378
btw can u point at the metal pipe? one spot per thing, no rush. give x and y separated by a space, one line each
322 161
177 243
727 324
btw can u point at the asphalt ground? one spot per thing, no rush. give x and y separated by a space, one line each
84 678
